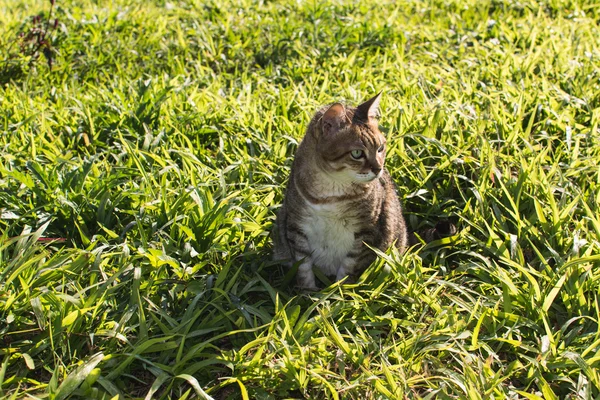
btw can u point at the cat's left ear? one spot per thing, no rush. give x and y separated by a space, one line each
369 109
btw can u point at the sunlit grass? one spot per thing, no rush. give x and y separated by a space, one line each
140 177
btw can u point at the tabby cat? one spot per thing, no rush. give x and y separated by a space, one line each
339 196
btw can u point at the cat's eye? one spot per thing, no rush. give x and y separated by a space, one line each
380 149
357 154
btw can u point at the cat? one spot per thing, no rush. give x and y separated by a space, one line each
339 196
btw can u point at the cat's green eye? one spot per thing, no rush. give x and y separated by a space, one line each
357 154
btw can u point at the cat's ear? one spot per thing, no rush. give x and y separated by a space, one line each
334 118
369 109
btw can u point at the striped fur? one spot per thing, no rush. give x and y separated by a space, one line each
336 202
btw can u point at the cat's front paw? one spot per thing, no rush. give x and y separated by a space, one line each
307 289
341 274
305 279
306 284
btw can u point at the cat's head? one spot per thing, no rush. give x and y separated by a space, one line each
349 142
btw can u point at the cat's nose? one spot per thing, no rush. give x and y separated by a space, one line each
376 170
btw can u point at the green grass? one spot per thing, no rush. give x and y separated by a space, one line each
159 144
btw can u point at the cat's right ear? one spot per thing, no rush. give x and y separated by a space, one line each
334 118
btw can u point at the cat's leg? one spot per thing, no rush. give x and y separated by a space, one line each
347 268
305 278
300 248
357 259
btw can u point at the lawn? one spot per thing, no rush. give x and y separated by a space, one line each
142 168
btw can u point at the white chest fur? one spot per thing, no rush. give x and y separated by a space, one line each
330 234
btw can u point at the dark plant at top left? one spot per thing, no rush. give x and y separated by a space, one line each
35 37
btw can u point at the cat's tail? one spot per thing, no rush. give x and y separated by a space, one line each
441 230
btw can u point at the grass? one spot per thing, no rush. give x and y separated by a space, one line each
140 177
